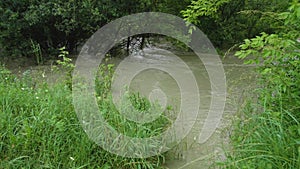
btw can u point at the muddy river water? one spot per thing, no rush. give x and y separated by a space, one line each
153 80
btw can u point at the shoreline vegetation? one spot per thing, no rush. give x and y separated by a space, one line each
39 127
266 132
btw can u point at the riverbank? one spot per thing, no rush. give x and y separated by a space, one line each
188 153
39 128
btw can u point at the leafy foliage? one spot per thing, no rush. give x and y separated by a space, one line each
280 58
228 22
267 135
203 8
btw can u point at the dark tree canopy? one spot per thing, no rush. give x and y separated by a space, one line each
25 24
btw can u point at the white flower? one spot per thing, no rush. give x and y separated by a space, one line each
72 158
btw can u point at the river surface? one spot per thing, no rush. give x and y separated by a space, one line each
152 77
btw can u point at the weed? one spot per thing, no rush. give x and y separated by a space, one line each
39 129
37 52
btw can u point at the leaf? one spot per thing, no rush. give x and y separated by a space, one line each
266 71
298 12
106 166
249 62
238 53
247 42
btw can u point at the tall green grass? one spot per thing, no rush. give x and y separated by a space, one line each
264 139
39 129
266 132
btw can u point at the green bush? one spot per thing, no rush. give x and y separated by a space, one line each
267 134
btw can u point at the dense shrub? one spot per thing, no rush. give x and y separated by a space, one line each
267 133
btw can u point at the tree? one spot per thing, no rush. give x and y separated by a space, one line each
50 24
29 25
227 22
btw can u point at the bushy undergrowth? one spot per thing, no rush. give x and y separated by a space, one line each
267 132
39 129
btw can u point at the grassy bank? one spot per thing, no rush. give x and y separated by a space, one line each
39 128
265 138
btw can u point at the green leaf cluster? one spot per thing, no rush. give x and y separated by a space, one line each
228 22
